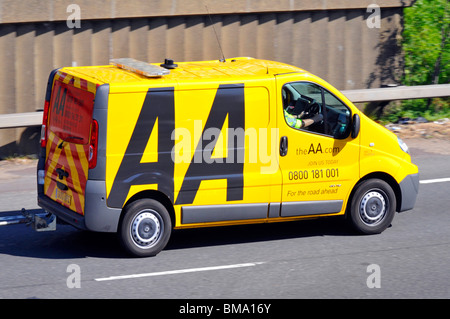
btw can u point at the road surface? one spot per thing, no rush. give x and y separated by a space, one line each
320 258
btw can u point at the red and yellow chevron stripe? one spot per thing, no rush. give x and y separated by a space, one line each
76 81
67 149
73 159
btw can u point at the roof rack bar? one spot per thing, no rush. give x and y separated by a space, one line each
139 67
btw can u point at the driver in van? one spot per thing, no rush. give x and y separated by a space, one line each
296 121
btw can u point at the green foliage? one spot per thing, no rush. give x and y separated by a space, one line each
425 24
426 45
439 108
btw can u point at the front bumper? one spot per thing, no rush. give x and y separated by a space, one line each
409 188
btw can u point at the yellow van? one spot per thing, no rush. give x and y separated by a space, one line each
140 149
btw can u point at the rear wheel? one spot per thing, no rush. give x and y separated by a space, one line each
373 206
145 228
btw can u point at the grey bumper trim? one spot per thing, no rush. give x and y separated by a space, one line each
219 213
409 188
61 212
98 216
311 208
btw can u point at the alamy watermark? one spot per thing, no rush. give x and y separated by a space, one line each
74 18
230 145
74 279
374 19
374 279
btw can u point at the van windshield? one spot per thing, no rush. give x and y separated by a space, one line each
70 112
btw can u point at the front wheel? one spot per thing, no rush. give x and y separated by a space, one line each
145 228
372 207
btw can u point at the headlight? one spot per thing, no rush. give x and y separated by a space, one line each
403 146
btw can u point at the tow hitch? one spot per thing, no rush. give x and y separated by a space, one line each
43 221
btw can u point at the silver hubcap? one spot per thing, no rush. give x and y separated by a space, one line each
372 208
146 229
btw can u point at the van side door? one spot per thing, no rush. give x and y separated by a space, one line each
320 161
228 169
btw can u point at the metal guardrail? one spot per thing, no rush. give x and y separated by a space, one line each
356 96
398 93
20 119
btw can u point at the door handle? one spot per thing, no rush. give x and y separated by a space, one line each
62 173
283 146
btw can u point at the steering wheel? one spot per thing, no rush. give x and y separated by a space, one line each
312 109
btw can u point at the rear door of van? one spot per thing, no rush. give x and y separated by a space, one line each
68 140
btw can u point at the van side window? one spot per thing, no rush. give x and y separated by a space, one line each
309 107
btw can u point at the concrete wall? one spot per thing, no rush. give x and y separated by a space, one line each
327 37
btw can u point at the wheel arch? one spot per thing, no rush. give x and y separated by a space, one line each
384 177
156 195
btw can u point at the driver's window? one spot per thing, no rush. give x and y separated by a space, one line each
303 104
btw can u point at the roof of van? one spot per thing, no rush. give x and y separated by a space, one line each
232 68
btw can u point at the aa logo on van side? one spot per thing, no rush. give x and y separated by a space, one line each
159 105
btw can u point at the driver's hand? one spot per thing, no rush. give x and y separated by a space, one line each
317 118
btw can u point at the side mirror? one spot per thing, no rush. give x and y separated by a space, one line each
355 125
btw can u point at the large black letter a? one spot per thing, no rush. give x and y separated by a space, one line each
229 101
158 104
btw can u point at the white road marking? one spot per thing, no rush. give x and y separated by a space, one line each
436 180
180 271
191 270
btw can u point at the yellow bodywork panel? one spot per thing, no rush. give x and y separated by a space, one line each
210 137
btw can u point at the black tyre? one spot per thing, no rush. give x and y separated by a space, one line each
372 207
145 228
